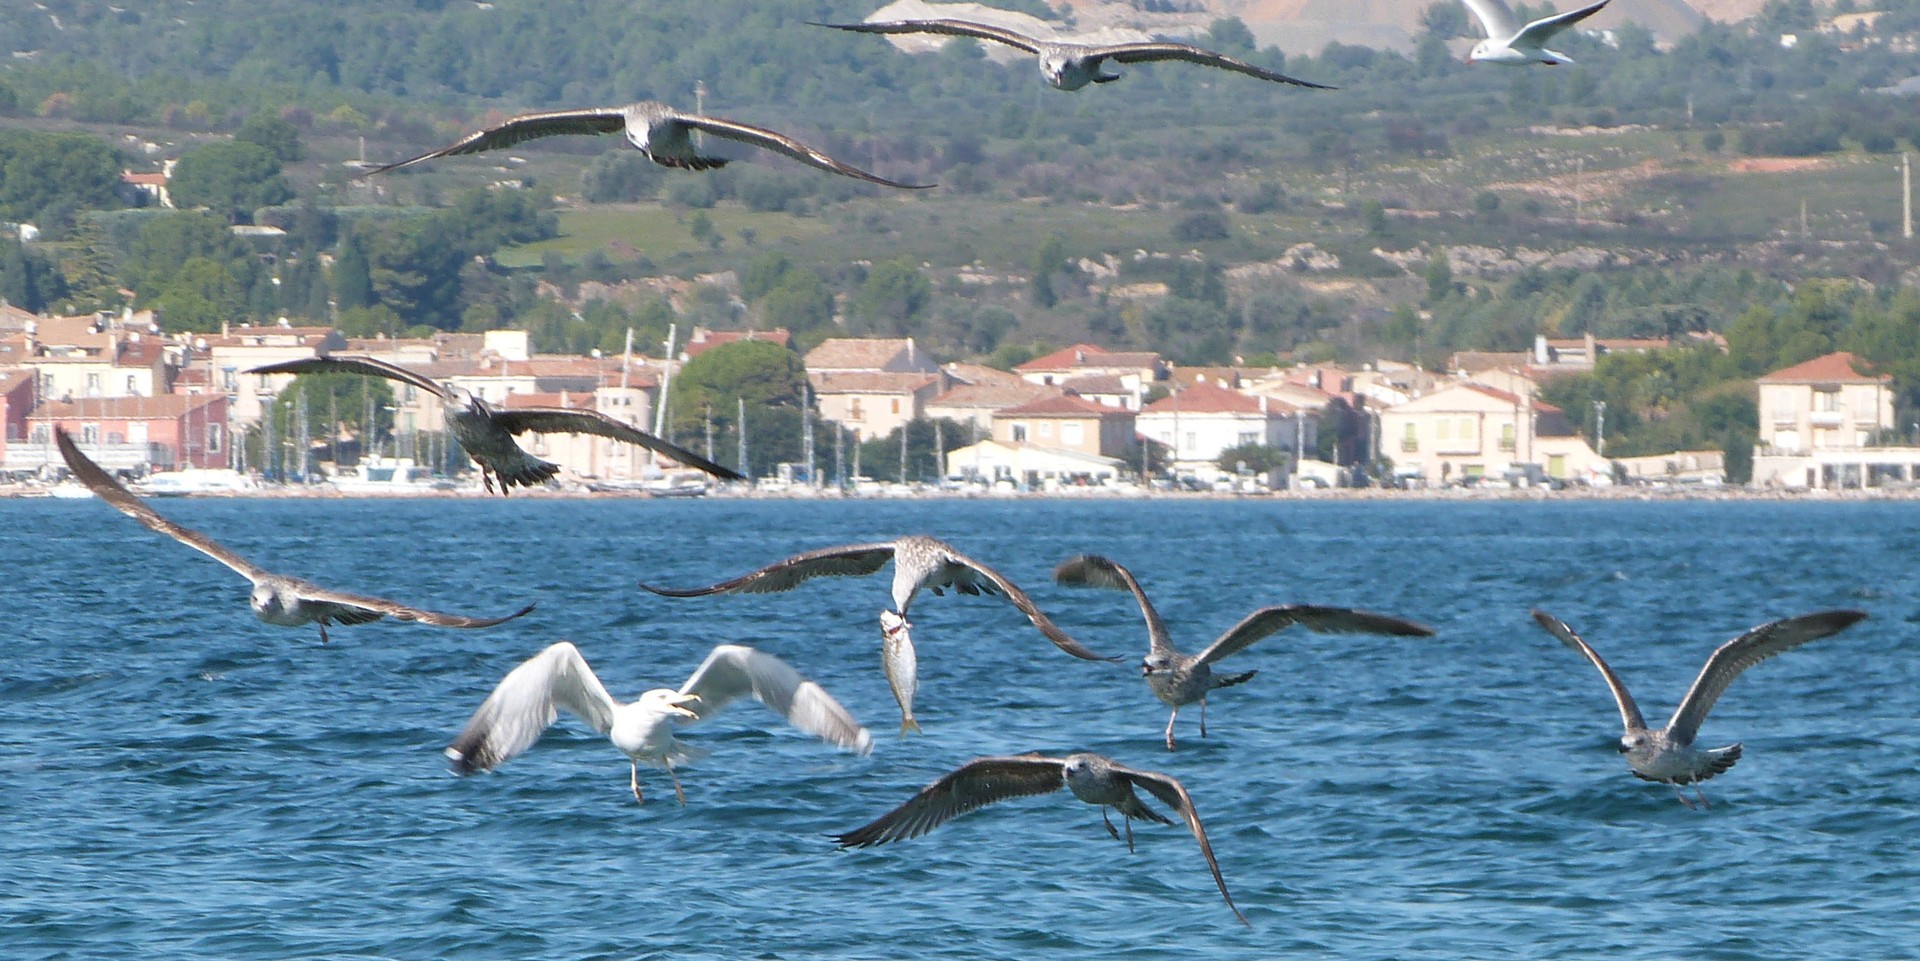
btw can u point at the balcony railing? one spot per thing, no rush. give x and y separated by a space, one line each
1827 418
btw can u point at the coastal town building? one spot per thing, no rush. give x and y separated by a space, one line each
1828 423
1469 431
1118 378
1067 422
1030 466
1196 424
168 432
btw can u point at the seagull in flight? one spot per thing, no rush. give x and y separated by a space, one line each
1510 44
1071 66
1667 755
919 562
277 598
1092 778
657 130
486 432
525 704
1181 679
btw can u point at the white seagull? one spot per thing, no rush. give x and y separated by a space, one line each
525 702
486 432
277 598
657 130
1510 44
1071 66
1092 778
1180 679
1667 755
918 562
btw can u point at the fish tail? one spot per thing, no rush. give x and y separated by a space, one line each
909 724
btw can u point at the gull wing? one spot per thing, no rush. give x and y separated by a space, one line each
1629 711
374 607
973 785
566 420
732 671
532 126
783 144
948 28
1092 570
1542 30
1161 50
365 366
1496 18
1320 620
1174 795
524 704
1026 605
126 502
851 560
1745 651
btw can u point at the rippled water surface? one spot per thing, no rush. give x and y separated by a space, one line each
179 780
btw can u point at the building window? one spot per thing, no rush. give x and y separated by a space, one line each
1410 440
896 405
1019 433
1046 428
853 410
229 380
1506 436
90 433
93 385
1192 440
214 432
1443 429
1249 437
133 386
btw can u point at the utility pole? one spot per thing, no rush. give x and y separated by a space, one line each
1906 195
806 432
939 452
740 422
903 450
840 456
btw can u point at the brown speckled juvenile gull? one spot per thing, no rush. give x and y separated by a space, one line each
1667 755
1092 778
524 705
657 130
277 598
918 562
486 432
1181 679
1071 66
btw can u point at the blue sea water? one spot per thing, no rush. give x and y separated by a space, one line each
179 780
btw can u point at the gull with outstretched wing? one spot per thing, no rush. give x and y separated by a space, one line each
1667 755
526 703
662 133
487 432
277 598
1181 679
1092 778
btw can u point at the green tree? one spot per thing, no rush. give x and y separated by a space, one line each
48 178
892 298
27 280
761 373
1257 458
280 138
352 274
231 179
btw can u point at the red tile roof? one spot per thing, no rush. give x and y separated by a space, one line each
1087 355
1506 397
854 353
1835 368
870 382
1207 399
993 395
1065 405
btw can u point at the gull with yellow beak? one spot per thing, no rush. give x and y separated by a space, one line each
526 701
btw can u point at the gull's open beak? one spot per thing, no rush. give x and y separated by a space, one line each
680 700
1146 670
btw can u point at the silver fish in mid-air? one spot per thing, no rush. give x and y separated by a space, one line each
903 668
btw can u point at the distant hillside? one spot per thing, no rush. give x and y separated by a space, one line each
1307 26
